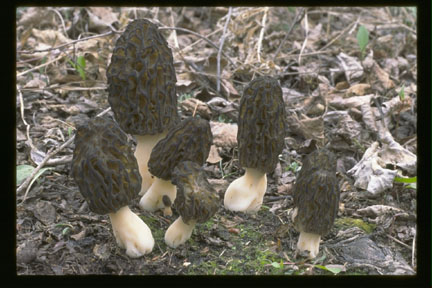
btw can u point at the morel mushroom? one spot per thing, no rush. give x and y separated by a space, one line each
196 202
316 200
141 89
107 175
260 137
189 140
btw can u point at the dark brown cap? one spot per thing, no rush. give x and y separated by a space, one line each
261 124
316 193
196 198
189 140
104 166
141 80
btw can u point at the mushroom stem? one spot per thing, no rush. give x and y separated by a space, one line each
153 198
179 232
145 144
246 193
131 232
309 242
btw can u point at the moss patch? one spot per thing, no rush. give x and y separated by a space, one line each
347 222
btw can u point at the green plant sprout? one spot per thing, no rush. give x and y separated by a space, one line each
79 66
362 39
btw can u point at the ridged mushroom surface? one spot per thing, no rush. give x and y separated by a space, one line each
104 167
196 198
316 193
261 124
190 140
141 80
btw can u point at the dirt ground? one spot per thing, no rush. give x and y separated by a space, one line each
335 94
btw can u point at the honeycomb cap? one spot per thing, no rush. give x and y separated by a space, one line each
316 193
189 140
104 167
261 124
141 80
196 198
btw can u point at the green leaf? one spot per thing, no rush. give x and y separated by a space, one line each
333 270
362 38
22 172
402 93
405 180
412 186
81 65
276 265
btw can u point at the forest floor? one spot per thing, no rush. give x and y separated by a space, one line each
336 94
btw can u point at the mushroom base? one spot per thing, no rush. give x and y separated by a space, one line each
131 232
309 242
246 193
179 232
152 199
145 144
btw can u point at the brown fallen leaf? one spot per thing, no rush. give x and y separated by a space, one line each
78 236
358 90
224 134
213 155
196 107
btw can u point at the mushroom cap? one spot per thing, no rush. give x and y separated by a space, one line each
141 80
196 198
261 124
189 140
316 193
104 166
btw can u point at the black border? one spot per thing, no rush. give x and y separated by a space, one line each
423 277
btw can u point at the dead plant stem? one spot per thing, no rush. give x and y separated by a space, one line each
224 33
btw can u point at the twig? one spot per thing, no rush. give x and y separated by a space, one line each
297 19
413 248
40 66
262 33
339 35
398 241
72 42
176 44
306 38
61 19
199 40
25 184
198 35
220 49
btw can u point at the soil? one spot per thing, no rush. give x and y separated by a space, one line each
57 234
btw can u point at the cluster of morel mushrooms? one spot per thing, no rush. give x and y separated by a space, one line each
166 168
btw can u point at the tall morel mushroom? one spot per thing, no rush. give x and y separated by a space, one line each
316 200
141 89
189 140
107 175
196 202
260 137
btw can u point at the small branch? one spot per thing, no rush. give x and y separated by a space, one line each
61 19
413 249
339 35
299 16
306 38
40 66
398 241
26 183
220 49
198 35
72 42
262 33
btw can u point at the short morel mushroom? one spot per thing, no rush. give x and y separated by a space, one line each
196 202
141 89
189 140
316 200
260 137
107 175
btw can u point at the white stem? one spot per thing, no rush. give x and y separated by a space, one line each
246 193
179 232
152 199
145 144
131 232
309 242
